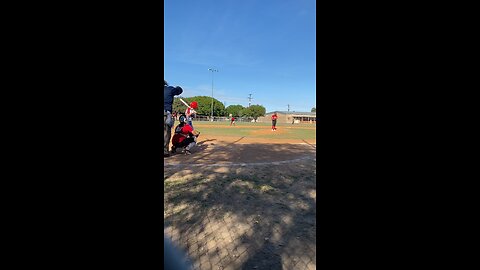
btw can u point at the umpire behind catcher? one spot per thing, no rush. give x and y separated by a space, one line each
168 93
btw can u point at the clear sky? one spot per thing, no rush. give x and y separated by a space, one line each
266 48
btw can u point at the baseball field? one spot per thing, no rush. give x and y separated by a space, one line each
258 132
245 198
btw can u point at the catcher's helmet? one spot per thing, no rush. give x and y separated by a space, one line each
182 118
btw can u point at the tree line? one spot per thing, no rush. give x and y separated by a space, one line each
219 110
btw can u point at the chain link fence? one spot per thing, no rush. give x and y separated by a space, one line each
222 119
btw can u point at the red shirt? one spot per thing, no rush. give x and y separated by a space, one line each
274 117
178 138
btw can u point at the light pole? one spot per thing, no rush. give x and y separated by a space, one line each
212 70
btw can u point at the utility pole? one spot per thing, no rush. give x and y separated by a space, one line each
249 100
288 107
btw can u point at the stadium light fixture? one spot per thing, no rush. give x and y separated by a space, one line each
212 70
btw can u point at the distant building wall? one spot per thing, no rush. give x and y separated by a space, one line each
289 117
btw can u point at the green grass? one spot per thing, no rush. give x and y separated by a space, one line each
250 130
227 123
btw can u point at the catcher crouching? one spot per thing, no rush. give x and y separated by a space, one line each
185 137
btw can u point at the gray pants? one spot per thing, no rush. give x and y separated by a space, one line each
168 122
188 143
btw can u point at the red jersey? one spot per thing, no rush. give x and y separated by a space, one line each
179 137
274 117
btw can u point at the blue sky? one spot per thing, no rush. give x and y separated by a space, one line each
266 48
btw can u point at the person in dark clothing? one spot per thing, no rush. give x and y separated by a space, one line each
168 121
173 257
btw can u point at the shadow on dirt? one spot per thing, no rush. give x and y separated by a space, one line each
256 216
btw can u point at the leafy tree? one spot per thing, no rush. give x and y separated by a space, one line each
314 109
254 111
235 110
204 105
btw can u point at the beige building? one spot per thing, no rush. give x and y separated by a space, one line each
289 117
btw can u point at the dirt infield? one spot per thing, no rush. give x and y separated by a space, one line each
253 138
243 150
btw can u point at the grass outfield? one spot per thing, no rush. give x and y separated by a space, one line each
257 130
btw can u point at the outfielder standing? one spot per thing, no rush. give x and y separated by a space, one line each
168 93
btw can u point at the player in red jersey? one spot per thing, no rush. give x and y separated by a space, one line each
274 121
190 112
184 137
